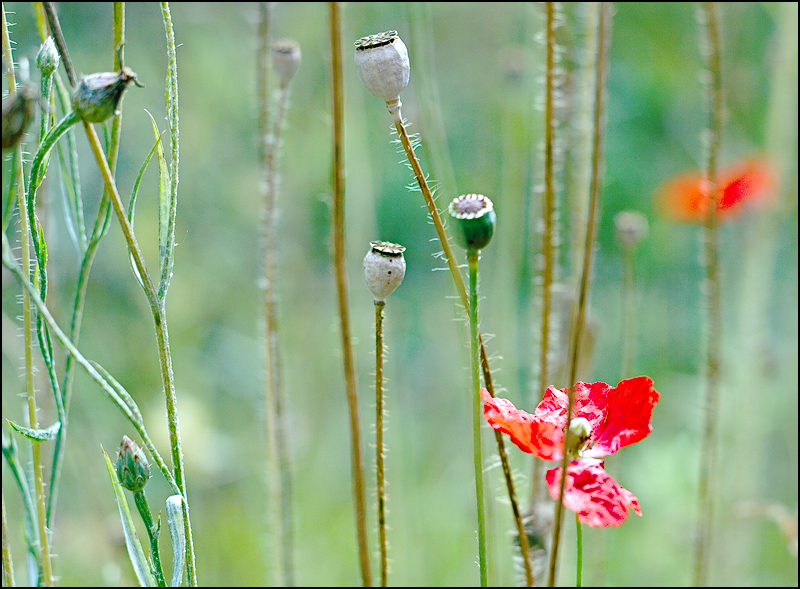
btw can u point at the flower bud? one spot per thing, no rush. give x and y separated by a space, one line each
475 220
286 60
17 114
382 64
384 268
48 57
133 470
98 96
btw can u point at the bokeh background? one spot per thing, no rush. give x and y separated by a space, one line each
476 80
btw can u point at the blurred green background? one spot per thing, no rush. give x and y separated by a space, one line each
476 77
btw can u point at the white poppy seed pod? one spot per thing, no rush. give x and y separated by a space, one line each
382 64
286 60
384 268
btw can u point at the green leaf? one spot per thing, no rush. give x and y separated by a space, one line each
37 435
176 532
164 190
138 559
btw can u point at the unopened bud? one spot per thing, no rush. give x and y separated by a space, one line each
286 60
133 470
98 96
384 268
48 57
475 220
382 64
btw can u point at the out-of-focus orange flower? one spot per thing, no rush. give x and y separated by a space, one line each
750 182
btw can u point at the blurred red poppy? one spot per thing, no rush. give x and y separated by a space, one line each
750 182
613 417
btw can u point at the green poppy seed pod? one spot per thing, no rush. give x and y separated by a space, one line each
17 114
48 58
133 470
475 220
382 64
98 96
286 60
384 268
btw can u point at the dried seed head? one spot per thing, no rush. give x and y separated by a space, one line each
286 60
382 64
631 227
98 96
133 470
384 268
17 114
48 57
475 220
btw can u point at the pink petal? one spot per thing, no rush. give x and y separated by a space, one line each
592 494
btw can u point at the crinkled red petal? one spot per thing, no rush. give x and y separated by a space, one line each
542 439
592 494
628 409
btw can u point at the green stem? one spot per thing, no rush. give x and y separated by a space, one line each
379 439
26 234
458 280
152 533
579 558
472 258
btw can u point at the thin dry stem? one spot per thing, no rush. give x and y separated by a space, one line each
603 36
341 290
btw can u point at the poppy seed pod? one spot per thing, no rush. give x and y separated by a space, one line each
133 470
286 60
97 96
382 64
384 268
475 220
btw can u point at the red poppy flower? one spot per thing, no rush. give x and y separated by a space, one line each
749 182
614 417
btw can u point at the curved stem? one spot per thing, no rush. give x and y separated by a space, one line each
458 280
603 34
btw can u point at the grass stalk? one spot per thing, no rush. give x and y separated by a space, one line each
603 37
710 44
359 496
100 228
280 480
46 571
